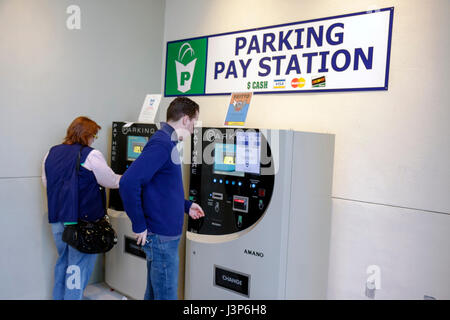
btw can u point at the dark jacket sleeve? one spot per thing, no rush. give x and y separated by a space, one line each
187 206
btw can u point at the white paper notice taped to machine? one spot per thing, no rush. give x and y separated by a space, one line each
149 108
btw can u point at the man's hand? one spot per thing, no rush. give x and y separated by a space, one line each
141 237
196 212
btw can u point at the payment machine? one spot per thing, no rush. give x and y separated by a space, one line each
266 195
125 264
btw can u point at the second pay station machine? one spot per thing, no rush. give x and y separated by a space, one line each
125 264
266 195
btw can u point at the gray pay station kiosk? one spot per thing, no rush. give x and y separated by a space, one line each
267 201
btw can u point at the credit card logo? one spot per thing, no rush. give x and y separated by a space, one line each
318 82
298 83
279 84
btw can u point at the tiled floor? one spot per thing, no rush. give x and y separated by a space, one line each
101 291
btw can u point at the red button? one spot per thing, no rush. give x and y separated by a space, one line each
261 192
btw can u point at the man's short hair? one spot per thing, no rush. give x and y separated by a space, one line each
180 107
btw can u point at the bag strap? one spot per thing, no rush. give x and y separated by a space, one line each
79 160
77 170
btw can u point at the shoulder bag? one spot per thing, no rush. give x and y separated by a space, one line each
90 236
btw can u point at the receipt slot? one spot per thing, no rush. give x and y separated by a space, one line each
266 195
125 264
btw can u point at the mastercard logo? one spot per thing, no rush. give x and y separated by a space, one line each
298 83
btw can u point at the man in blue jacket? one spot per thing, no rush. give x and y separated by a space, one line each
153 197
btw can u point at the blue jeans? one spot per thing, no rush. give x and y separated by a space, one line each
162 268
72 270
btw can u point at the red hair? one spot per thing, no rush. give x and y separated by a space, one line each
81 130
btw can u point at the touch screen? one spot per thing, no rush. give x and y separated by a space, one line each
135 146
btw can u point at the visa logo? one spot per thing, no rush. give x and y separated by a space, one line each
279 84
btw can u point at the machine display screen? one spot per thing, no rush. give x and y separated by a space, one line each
240 158
225 159
248 150
135 146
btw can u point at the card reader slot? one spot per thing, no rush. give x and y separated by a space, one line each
217 196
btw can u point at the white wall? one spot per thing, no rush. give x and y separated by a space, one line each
50 75
391 185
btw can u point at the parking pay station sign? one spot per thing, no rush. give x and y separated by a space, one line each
340 53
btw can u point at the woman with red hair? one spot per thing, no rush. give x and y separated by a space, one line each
75 192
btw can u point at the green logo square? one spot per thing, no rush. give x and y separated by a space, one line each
185 67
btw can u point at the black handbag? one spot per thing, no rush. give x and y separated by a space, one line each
90 236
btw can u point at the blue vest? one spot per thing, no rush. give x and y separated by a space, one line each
72 196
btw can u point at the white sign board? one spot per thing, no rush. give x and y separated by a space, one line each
347 52
149 108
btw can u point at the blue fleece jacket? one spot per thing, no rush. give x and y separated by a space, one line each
152 187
